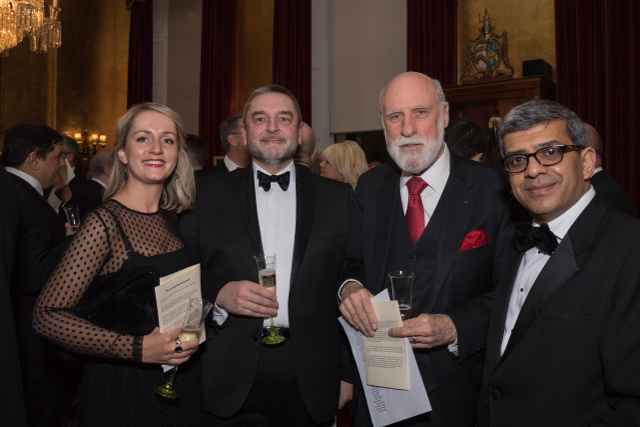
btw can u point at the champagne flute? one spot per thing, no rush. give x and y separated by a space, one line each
192 324
267 276
73 216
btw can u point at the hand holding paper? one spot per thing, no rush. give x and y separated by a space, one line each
388 405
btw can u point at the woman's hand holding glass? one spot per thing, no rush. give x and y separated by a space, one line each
160 348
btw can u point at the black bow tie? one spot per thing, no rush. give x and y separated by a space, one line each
265 180
527 236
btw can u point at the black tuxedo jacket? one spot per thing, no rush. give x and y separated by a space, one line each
573 355
12 409
220 167
87 198
77 182
613 193
224 231
475 197
40 244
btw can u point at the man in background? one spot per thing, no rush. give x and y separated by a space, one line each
198 153
32 155
306 151
12 408
90 195
605 186
233 143
467 139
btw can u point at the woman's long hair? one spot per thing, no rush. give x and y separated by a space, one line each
178 194
348 159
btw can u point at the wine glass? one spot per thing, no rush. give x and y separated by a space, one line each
402 291
192 324
267 275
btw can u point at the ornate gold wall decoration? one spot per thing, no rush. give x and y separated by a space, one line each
488 54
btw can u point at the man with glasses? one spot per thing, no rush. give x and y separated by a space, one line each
563 346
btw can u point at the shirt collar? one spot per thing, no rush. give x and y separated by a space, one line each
596 170
290 168
31 180
436 176
99 182
561 225
231 166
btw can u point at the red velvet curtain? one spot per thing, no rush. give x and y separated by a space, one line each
432 39
217 71
597 63
292 50
140 71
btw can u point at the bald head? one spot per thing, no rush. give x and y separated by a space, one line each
408 82
595 142
307 149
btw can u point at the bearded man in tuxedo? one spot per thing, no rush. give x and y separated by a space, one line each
273 206
444 218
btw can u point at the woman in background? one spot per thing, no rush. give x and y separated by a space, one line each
129 242
344 161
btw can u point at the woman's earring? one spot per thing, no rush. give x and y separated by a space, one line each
176 176
126 170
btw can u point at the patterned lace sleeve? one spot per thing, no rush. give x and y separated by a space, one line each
85 259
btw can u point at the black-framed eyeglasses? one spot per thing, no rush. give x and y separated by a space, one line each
547 156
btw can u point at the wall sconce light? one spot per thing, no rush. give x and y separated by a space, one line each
103 140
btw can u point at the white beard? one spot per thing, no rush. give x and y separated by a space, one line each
421 159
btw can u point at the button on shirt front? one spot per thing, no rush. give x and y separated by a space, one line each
277 218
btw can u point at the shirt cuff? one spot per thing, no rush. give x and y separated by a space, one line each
220 315
339 298
453 348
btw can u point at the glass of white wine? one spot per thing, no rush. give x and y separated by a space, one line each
197 311
267 275
402 291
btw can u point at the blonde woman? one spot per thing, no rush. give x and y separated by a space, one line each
344 161
100 299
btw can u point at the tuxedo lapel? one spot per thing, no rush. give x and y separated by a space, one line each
387 198
560 267
245 194
306 198
448 224
30 188
500 307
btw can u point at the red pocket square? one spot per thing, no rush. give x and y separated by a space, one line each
474 239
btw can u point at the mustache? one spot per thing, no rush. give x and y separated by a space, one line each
270 135
409 140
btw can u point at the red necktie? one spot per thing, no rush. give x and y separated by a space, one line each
415 210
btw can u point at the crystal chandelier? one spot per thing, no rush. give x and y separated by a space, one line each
25 18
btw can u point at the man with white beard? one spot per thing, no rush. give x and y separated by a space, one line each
445 219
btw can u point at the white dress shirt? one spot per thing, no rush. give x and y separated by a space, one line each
229 164
31 180
533 261
277 218
436 177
